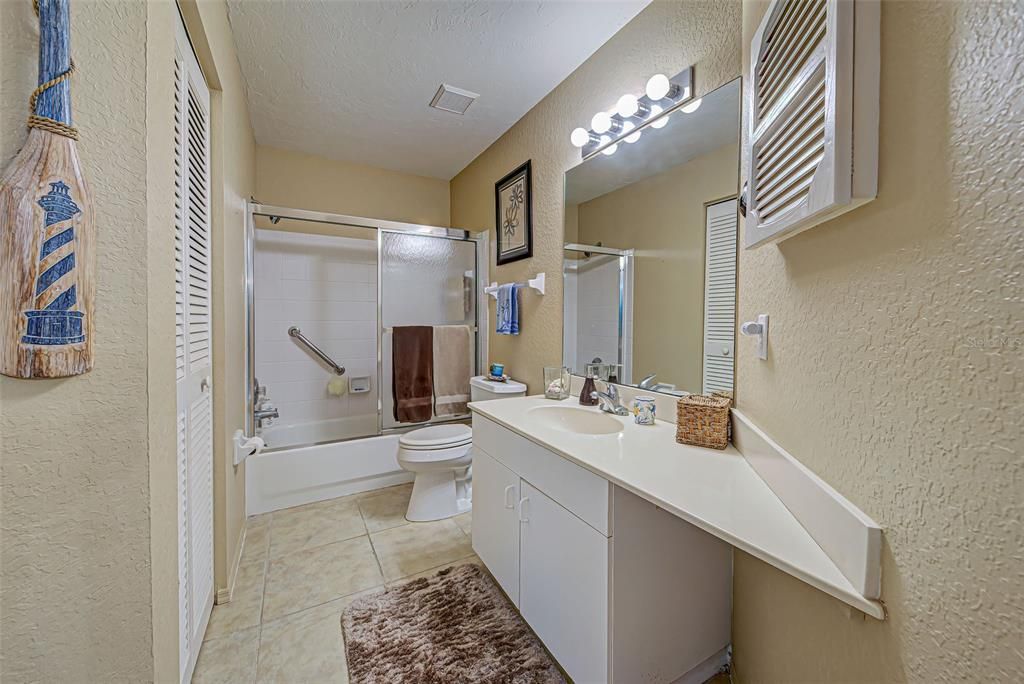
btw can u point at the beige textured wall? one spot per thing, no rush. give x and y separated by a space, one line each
88 538
895 370
75 570
233 164
664 219
665 37
303 181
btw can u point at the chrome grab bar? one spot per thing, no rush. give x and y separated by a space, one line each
297 334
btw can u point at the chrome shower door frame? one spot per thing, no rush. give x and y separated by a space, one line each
625 263
481 252
254 209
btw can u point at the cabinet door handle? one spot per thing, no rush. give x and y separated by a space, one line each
509 502
522 509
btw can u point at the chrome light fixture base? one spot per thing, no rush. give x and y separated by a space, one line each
680 92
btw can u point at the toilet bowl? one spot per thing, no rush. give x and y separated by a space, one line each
441 456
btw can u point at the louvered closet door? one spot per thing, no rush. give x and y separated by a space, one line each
720 297
193 344
798 160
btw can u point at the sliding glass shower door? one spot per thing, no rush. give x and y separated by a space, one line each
424 280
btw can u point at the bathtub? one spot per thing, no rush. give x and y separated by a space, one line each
284 476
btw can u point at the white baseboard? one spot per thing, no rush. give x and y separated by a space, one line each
225 594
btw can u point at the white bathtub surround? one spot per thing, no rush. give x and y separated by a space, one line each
326 286
717 491
300 475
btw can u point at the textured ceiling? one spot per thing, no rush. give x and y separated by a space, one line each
353 80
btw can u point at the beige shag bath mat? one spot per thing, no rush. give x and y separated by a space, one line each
456 626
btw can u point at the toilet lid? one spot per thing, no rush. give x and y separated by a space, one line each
437 437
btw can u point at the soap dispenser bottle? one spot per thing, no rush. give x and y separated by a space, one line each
589 387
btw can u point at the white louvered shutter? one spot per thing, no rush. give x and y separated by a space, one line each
193 351
720 297
812 145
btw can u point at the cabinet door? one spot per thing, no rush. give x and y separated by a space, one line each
563 585
495 522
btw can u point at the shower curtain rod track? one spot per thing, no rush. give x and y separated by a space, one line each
270 211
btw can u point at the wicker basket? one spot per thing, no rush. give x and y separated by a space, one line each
704 421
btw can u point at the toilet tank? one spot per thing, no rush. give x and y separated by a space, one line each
482 389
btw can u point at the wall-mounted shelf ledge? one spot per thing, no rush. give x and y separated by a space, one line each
536 283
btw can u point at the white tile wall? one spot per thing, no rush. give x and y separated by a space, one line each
597 314
326 286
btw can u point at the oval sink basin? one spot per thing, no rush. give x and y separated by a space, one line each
576 420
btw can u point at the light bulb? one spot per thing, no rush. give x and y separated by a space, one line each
627 106
655 111
580 137
601 123
626 128
658 86
691 107
610 150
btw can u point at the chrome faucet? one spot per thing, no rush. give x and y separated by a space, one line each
609 401
647 382
261 412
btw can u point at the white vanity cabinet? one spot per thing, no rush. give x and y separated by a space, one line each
618 589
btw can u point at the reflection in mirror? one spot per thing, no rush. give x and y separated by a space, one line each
650 255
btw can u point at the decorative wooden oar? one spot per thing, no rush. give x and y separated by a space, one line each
47 227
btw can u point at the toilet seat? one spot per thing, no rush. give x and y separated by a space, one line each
436 438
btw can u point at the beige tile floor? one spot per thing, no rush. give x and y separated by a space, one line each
300 568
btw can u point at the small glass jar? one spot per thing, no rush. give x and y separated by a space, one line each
556 382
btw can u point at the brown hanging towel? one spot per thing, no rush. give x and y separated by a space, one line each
412 377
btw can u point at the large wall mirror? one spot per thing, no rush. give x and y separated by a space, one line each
650 253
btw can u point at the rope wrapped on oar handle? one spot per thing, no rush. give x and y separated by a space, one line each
44 122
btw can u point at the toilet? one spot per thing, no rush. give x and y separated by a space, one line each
441 457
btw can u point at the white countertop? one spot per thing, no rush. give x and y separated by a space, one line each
715 490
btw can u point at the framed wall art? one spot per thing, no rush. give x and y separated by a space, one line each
513 209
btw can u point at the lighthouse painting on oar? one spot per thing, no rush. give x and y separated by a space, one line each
47 229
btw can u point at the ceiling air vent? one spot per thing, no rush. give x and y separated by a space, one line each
452 99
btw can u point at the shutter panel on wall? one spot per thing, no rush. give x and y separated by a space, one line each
720 297
812 143
193 350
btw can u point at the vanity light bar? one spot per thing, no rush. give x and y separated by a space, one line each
632 113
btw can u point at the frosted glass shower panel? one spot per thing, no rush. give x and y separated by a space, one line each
425 280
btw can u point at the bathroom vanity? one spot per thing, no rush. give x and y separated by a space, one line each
617 588
615 542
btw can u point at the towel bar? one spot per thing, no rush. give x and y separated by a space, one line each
534 283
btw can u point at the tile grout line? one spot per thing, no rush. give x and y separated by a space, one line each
263 598
373 549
